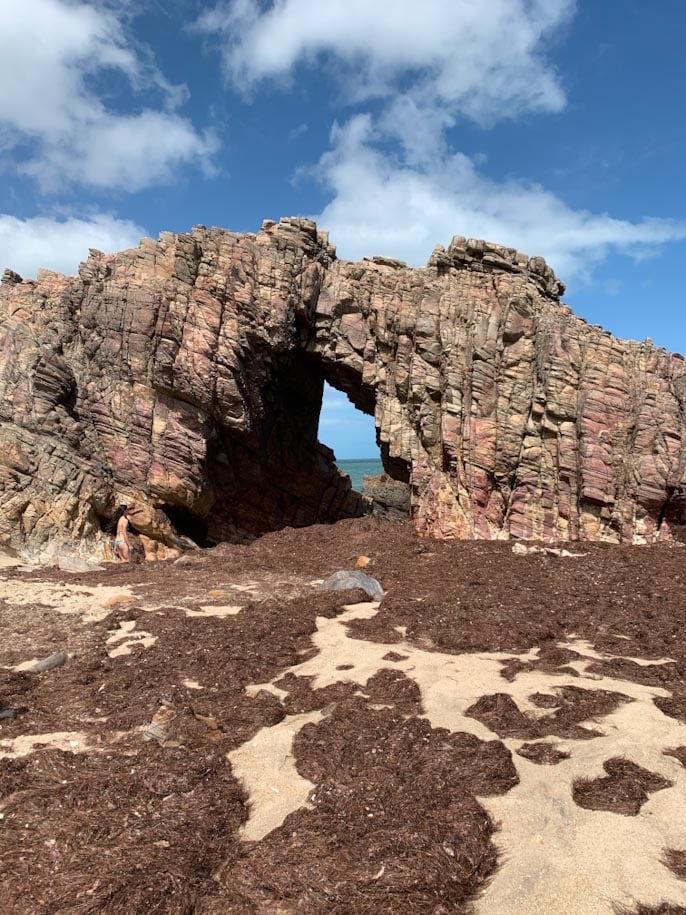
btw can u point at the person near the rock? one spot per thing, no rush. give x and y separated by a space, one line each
120 526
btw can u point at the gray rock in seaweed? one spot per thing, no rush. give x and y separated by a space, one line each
350 579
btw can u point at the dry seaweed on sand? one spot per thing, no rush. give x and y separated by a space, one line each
625 788
132 827
394 825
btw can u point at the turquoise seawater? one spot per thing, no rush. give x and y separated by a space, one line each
359 468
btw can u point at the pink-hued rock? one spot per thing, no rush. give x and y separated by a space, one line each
185 377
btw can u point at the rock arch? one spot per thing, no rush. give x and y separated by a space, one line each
188 373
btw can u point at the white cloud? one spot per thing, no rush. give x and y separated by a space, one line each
298 132
125 151
384 206
397 188
55 123
482 60
49 47
61 244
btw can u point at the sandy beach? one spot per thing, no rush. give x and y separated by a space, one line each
501 733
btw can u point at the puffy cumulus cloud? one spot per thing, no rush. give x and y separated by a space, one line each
49 49
382 205
125 151
396 185
61 244
54 124
482 60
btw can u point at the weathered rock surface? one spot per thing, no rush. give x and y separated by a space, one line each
186 376
390 499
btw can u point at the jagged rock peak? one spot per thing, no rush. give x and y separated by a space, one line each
475 252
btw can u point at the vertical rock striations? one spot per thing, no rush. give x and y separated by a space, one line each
508 415
170 376
186 375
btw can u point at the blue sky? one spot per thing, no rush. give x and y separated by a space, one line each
553 126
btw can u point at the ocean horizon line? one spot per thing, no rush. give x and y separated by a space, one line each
365 460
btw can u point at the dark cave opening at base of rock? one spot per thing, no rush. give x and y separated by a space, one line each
186 524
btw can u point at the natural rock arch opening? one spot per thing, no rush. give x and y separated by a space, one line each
353 437
284 476
280 475
288 476
349 433
364 402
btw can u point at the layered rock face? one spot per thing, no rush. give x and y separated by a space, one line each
170 377
186 376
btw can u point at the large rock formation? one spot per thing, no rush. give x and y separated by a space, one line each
186 376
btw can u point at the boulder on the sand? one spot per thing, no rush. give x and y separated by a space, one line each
351 579
390 499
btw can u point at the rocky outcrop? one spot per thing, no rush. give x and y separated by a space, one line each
390 500
186 376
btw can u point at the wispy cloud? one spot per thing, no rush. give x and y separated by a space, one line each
128 152
379 206
298 131
481 60
396 186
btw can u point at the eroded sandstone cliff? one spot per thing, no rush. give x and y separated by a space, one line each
186 376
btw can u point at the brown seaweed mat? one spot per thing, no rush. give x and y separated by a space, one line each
624 789
439 746
394 826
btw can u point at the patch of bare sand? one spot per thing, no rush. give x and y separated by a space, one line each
91 604
69 741
8 562
584 647
129 638
266 765
212 610
556 857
